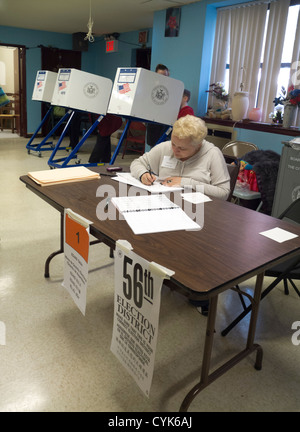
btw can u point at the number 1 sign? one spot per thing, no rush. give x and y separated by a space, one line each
76 248
136 313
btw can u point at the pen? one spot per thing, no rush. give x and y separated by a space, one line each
107 175
149 167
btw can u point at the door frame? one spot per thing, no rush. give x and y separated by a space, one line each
22 123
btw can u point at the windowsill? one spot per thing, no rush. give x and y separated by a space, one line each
257 126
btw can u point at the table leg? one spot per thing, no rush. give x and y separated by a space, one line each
207 378
61 250
204 380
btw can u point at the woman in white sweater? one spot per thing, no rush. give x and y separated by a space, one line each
188 159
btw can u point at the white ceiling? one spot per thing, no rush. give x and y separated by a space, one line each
72 16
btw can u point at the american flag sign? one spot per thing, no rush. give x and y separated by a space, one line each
123 88
62 85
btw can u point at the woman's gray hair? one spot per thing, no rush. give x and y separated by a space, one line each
192 127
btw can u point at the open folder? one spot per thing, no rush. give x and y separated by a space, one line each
62 175
148 214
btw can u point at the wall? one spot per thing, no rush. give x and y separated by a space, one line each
188 56
263 140
31 39
106 64
95 60
8 81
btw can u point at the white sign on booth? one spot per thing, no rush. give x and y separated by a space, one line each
146 95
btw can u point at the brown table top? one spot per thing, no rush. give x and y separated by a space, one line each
226 251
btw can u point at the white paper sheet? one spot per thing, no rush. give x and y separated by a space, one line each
156 187
153 213
195 197
155 221
279 235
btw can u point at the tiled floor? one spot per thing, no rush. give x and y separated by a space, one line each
55 359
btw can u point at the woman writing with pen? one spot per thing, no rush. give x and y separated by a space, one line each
187 160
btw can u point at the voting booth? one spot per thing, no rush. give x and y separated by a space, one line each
288 179
43 91
140 94
77 90
44 86
82 91
146 95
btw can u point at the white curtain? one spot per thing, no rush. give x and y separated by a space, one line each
246 39
295 65
272 56
221 48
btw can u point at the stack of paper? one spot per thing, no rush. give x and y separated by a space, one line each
153 213
62 175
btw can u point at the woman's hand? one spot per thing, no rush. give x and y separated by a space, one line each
147 178
171 181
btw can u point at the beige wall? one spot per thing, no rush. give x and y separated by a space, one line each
9 72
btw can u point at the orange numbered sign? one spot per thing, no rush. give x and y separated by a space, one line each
77 237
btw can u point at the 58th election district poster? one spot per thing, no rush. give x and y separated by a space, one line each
136 313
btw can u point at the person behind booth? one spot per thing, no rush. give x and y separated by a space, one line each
102 149
185 109
162 69
186 160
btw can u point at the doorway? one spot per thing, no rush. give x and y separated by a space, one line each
52 60
143 58
13 82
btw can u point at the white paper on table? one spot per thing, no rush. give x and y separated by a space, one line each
154 221
156 187
153 213
195 197
278 234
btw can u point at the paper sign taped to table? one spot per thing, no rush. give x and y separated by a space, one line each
136 313
76 249
278 234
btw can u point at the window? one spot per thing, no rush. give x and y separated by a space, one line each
287 52
260 45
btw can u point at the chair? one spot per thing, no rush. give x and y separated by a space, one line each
8 116
233 172
135 139
288 272
237 149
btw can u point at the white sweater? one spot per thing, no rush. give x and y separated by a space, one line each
207 168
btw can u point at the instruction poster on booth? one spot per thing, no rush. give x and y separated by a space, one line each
76 251
136 313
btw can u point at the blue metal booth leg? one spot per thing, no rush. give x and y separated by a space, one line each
63 162
41 146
